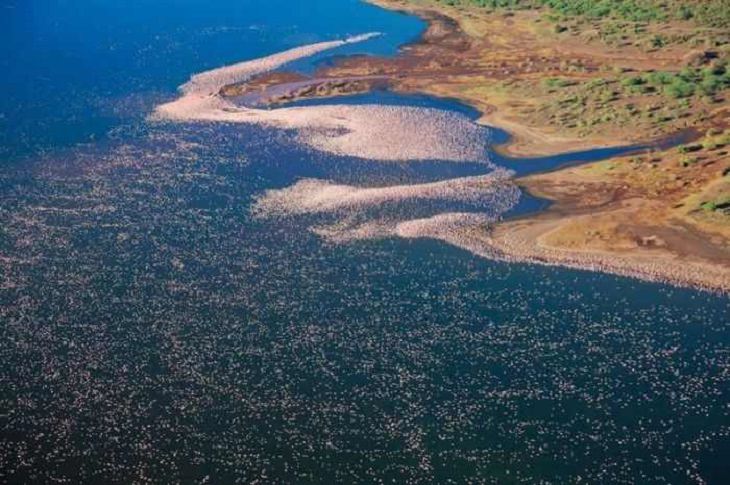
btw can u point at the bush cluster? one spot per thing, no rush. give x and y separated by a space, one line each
712 13
690 81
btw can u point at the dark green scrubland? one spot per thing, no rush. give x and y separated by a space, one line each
709 13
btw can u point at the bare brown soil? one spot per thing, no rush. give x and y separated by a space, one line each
267 91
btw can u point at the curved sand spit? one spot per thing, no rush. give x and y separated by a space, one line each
385 133
210 82
494 191
522 244
443 227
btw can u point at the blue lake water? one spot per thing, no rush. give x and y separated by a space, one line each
73 70
151 329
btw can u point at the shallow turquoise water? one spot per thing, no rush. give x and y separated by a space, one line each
152 329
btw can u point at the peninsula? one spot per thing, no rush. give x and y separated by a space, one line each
560 77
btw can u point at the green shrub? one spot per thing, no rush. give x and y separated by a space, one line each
632 81
679 88
720 204
710 86
689 148
685 13
659 78
688 161
556 82
658 41
711 13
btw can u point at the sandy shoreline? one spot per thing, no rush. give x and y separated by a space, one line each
685 262
624 241
522 241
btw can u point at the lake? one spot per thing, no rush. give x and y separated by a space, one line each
154 329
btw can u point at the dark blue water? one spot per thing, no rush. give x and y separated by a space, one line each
74 70
151 329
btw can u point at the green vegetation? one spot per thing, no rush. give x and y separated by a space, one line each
720 204
710 13
695 152
688 161
557 82
689 148
706 81
654 101
715 141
